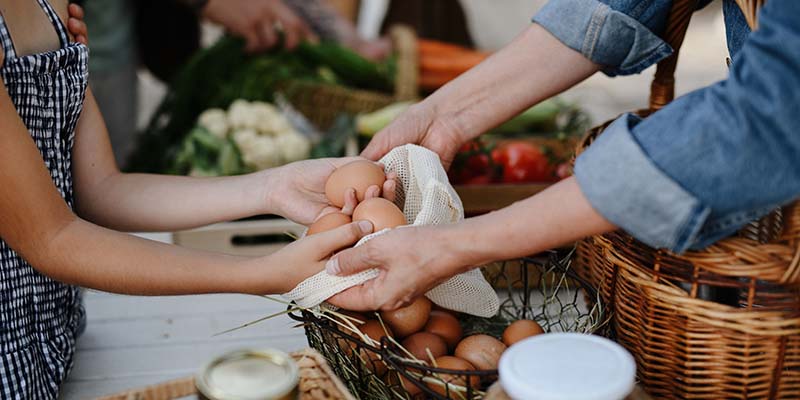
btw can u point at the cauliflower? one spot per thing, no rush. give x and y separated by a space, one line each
241 115
261 153
293 147
270 121
244 137
214 120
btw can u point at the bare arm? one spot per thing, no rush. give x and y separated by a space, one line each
144 202
36 222
413 260
534 67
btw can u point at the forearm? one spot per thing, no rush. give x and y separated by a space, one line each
532 68
87 255
142 202
557 216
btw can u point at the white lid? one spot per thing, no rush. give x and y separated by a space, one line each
567 366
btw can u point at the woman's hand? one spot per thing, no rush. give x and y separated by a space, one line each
76 26
410 261
418 125
297 190
304 257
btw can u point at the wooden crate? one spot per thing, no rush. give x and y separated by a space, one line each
484 198
247 238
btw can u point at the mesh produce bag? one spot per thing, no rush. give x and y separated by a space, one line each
428 199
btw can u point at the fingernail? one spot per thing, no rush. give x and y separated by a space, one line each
332 267
365 226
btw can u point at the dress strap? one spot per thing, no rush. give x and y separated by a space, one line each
6 42
57 23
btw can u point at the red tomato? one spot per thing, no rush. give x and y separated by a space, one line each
471 162
523 162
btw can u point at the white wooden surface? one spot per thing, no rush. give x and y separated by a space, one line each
133 341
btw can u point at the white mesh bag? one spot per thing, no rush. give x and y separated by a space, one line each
428 199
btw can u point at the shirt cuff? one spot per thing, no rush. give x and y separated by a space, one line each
628 189
610 38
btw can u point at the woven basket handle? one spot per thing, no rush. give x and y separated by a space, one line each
662 90
405 46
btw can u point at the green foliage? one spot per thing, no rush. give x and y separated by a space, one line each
222 73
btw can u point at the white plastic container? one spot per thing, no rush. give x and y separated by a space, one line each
567 366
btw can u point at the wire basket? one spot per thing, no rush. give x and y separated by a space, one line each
541 288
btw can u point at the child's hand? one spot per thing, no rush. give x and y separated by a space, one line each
297 190
307 256
76 26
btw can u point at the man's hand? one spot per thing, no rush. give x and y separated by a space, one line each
257 21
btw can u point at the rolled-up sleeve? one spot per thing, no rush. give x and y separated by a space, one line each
627 188
714 159
620 38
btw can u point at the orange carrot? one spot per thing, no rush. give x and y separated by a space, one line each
457 62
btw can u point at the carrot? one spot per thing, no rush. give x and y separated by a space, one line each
458 62
436 47
432 80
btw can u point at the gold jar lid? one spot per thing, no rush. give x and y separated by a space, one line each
249 374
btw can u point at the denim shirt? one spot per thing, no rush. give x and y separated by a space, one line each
709 162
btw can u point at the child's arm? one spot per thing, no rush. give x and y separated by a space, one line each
144 202
35 222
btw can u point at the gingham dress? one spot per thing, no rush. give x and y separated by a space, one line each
40 317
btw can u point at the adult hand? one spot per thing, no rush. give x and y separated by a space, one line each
410 261
76 26
307 256
256 21
297 190
418 125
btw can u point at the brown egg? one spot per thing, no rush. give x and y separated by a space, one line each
409 319
519 330
446 326
358 175
410 387
482 351
328 222
420 343
381 212
375 331
457 364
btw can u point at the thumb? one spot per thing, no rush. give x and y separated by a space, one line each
378 146
326 243
351 261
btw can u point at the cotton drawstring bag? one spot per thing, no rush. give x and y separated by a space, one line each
428 199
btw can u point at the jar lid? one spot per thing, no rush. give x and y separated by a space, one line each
567 366
248 374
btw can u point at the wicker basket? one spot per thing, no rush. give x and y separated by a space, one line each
721 323
322 103
542 288
317 382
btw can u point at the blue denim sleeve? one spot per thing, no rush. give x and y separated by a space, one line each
712 160
616 34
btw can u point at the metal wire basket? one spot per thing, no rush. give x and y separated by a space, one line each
542 288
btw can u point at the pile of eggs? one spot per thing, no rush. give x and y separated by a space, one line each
434 336
359 175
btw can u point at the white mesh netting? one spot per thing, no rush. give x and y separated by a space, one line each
428 199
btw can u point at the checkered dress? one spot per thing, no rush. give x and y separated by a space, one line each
40 317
